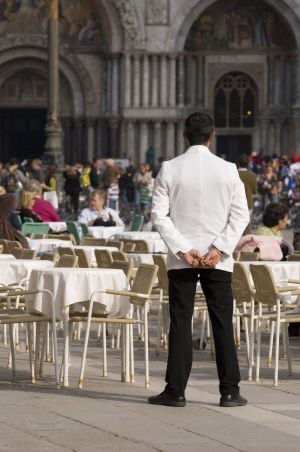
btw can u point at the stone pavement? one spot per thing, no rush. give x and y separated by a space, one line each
108 415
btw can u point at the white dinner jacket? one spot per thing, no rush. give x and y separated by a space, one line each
198 201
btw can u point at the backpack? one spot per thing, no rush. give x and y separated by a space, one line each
12 183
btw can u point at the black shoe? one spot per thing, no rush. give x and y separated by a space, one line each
166 399
229 400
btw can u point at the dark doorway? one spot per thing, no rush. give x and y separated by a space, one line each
22 133
231 146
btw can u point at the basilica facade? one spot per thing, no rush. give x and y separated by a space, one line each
132 70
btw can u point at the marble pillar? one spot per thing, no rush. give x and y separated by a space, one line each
271 85
278 127
145 81
154 84
127 81
181 81
130 140
172 81
170 141
164 81
90 125
136 81
157 140
200 81
264 123
108 92
115 85
143 144
113 137
180 146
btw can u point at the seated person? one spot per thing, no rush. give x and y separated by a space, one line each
42 208
27 200
7 231
275 219
97 214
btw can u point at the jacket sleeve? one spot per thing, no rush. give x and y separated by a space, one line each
160 215
238 218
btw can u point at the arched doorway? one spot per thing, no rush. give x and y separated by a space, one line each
235 111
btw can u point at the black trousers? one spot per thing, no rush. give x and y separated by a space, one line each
216 285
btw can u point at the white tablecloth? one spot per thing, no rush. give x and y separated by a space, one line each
102 232
156 244
57 226
5 257
90 250
74 285
139 258
15 270
47 245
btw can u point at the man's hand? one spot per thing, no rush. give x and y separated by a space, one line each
212 258
192 257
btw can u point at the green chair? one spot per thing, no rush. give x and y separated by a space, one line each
28 220
73 229
84 229
34 228
137 223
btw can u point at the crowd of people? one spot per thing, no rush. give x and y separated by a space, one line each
125 189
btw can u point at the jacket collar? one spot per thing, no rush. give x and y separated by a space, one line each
198 148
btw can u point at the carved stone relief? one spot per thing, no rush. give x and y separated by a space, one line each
157 12
129 20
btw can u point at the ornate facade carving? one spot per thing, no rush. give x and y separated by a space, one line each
157 12
129 20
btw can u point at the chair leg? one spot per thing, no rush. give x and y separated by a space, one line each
146 345
288 350
43 350
12 350
127 354
277 337
48 356
203 323
271 344
66 346
104 350
258 346
37 349
86 340
123 357
132 378
30 350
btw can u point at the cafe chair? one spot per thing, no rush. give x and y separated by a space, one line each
139 296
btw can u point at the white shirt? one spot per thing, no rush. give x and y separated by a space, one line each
89 214
199 201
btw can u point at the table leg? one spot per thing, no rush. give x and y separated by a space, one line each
66 347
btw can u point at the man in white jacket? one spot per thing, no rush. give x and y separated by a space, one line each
200 209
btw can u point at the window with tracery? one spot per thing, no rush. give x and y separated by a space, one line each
235 96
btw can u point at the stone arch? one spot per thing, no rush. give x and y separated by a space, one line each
14 49
183 22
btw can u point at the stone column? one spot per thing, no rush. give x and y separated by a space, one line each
157 139
90 124
278 125
264 134
164 81
114 136
271 85
109 85
200 81
53 145
143 142
115 85
136 81
130 140
77 141
180 141
127 81
154 91
181 81
145 81
172 81
170 140
297 81
123 148
99 138
282 80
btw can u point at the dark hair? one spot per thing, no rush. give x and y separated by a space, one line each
198 128
275 211
243 160
13 161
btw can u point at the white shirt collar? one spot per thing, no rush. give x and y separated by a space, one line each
198 148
